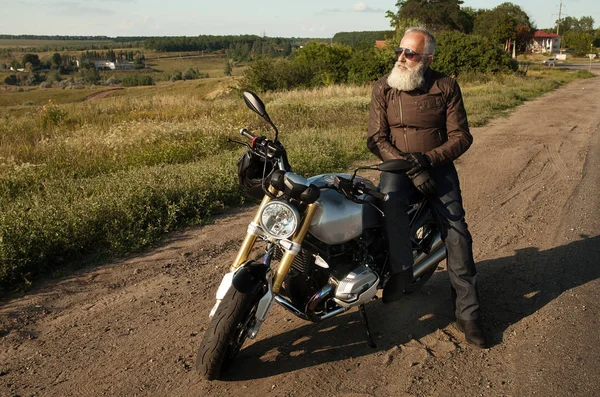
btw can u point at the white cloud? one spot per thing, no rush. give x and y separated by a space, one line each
359 7
362 7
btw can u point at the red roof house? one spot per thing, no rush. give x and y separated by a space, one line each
545 42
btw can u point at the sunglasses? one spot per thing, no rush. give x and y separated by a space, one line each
408 53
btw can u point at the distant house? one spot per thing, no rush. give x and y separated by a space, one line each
104 64
380 43
545 42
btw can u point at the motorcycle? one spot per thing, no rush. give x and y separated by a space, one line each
324 247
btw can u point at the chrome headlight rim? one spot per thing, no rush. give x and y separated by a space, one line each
294 219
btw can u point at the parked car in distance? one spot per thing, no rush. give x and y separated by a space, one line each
549 62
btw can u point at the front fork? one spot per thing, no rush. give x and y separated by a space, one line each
291 247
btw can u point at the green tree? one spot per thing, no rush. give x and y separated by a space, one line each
579 42
505 22
459 53
586 24
89 75
571 24
56 60
369 64
111 56
437 15
33 59
327 62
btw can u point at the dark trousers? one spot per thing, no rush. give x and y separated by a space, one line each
450 218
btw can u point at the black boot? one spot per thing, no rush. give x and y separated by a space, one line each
473 332
394 288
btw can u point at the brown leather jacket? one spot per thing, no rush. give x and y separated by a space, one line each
430 120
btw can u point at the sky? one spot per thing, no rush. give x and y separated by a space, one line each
272 18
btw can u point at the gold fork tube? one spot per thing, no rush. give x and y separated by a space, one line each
250 239
288 257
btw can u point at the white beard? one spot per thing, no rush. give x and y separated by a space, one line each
407 80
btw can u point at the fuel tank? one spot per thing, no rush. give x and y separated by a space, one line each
338 219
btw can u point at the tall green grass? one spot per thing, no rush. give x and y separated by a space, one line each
116 174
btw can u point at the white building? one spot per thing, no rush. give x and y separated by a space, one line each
545 42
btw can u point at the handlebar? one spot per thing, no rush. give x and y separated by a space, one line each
247 134
266 148
350 190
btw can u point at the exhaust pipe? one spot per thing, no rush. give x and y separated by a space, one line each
424 261
309 313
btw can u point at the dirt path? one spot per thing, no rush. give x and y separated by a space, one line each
102 94
132 327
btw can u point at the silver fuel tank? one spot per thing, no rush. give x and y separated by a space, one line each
338 219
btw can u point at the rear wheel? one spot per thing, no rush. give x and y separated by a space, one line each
227 332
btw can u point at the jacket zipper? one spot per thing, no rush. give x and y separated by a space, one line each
402 122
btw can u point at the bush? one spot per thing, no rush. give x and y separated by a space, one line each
317 64
369 64
89 75
190 74
51 115
177 76
458 53
53 77
11 80
32 79
112 80
137 80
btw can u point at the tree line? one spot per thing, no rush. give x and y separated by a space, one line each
358 39
505 24
469 41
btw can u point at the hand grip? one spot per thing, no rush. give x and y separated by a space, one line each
247 134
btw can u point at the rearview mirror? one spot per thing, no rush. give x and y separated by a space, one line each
255 104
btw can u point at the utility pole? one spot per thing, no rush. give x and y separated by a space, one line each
558 22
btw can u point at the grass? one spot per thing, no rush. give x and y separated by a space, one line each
114 175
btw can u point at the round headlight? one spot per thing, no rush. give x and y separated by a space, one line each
279 219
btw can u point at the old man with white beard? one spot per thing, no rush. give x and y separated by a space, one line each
417 114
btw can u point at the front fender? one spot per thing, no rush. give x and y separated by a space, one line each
250 276
247 278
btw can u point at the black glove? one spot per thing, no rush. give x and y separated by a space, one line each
419 161
424 183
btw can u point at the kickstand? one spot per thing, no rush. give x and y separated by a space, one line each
363 315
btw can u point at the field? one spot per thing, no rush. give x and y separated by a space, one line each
113 175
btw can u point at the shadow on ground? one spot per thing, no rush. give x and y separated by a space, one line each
512 288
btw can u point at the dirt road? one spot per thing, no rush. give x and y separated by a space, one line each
530 184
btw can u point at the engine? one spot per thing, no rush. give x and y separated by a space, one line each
353 285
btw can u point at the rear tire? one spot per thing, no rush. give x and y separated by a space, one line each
227 332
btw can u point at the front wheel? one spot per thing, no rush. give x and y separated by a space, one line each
227 332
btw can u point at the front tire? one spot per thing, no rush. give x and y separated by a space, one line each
226 333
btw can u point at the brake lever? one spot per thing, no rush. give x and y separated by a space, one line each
240 143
